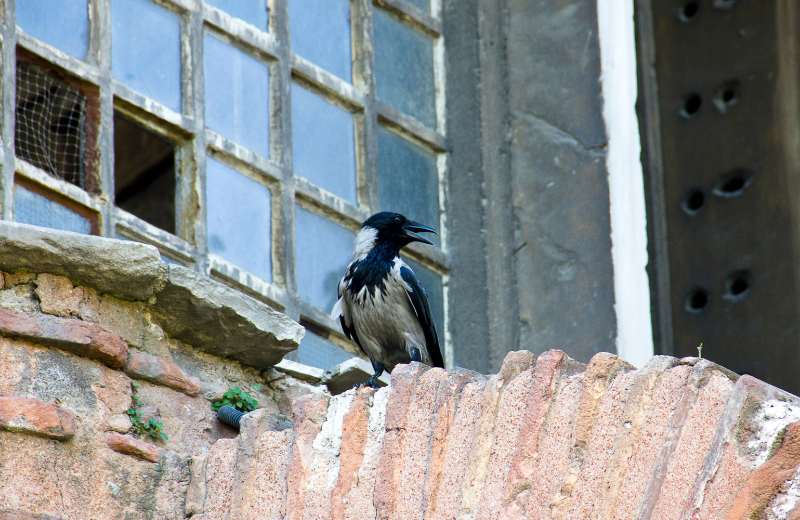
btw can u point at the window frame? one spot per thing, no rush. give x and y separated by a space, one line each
194 142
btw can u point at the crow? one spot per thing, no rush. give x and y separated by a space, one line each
382 305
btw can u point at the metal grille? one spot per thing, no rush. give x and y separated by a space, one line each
49 129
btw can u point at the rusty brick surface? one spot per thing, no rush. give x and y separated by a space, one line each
79 337
25 415
129 445
161 371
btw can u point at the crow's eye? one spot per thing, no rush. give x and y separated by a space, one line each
398 219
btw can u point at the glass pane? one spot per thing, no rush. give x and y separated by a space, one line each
37 210
321 353
323 143
252 11
409 182
323 250
422 5
237 95
404 67
432 283
320 33
239 218
146 50
62 24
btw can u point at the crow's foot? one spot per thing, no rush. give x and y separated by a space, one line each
372 382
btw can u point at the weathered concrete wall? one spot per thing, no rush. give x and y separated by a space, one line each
528 198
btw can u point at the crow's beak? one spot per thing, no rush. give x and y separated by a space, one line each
411 228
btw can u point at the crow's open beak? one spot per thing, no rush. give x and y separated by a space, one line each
411 228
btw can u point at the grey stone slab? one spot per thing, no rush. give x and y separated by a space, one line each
343 376
216 319
128 270
300 371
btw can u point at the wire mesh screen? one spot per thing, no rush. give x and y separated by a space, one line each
49 124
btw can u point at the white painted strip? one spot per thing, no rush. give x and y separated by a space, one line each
625 182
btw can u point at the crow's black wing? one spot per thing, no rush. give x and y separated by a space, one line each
419 300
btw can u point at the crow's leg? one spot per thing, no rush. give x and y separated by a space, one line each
415 355
372 382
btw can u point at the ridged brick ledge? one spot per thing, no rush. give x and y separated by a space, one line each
551 439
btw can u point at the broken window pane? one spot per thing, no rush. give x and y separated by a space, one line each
404 67
432 283
409 180
320 33
238 212
62 24
146 50
144 174
318 352
237 95
323 251
323 143
38 210
49 131
251 11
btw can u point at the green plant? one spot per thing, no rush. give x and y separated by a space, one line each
700 351
239 399
151 426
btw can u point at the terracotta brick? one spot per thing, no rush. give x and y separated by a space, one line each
765 482
79 337
404 378
273 456
161 371
359 501
647 447
57 296
309 412
129 445
25 415
355 429
544 381
457 454
219 479
324 470
446 401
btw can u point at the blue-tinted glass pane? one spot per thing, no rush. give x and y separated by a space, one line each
432 283
146 50
32 208
321 353
237 95
409 182
62 24
252 11
323 143
404 67
323 250
422 5
320 32
238 211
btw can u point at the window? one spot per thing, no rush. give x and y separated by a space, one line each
245 139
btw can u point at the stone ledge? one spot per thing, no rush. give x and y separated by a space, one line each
221 321
161 371
128 270
79 337
300 371
26 415
128 445
342 377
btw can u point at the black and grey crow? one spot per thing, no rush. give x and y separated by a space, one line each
382 306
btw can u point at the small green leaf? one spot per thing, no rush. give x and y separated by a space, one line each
255 386
135 384
164 436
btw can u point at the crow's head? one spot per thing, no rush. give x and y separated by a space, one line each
394 229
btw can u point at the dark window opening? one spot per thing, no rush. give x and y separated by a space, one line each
49 131
144 174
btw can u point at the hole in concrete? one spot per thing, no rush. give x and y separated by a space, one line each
688 12
737 285
697 300
694 201
733 185
727 95
691 105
